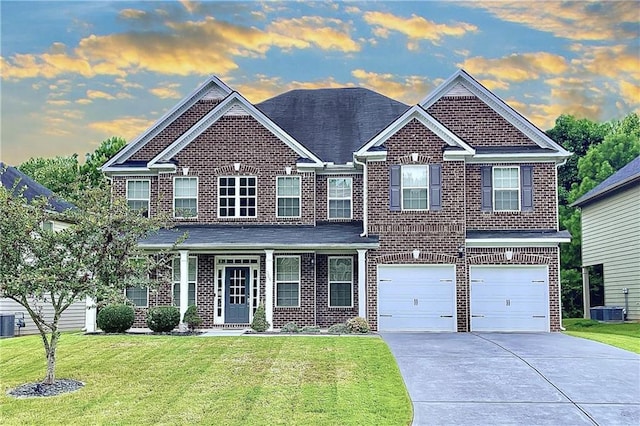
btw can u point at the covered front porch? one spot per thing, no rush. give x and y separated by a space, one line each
311 275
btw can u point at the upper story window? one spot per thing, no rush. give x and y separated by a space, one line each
47 225
138 194
237 196
415 185
339 198
288 196
287 281
507 188
185 197
340 282
191 280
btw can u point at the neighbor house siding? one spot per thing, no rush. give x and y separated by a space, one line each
73 318
611 237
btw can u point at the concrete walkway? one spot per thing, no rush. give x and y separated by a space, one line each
517 379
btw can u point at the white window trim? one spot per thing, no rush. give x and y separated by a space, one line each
174 282
402 187
341 282
350 198
237 197
493 188
148 199
186 198
276 282
131 300
284 197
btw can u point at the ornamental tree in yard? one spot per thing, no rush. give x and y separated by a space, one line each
97 256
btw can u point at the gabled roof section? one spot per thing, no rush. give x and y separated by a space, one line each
213 88
418 113
234 103
462 84
333 123
13 179
625 177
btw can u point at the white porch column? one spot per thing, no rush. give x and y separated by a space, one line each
268 287
586 296
362 283
90 315
184 286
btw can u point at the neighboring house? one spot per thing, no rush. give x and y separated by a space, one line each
74 317
611 236
332 203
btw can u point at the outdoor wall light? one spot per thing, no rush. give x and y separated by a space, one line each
416 254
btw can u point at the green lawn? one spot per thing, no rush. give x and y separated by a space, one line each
621 335
214 380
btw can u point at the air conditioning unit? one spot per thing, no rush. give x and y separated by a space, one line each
607 313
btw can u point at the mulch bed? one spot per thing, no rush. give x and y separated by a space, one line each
39 389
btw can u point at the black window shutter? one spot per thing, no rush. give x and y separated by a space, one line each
394 188
526 188
487 202
435 187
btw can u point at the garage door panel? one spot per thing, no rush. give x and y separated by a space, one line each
509 298
416 298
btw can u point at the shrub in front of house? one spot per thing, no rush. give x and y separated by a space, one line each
191 318
358 325
163 319
259 322
340 328
116 318
290 327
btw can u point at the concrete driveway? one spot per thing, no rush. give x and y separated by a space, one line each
517 379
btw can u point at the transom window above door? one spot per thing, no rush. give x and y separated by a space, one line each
237 196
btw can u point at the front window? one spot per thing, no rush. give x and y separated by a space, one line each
414 187
339 197
287 281
288 196
139 296
506 188
185 197
340 282
138 195
237 196
192 279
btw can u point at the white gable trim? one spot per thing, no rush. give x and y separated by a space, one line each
168 118
423 117
233 102
461 77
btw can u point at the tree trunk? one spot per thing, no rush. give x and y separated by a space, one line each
51 359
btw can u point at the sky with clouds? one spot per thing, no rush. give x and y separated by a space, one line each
75 73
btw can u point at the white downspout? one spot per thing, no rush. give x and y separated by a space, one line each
365 204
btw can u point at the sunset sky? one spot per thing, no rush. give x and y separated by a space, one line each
76 73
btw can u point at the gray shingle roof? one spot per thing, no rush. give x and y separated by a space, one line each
325 235
332 123
627 175
30 189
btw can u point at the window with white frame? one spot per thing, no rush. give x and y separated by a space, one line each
288 196
185 197
139 296
415 187
339 198
191 280
506 188
287 281
237 196
138 192
340 282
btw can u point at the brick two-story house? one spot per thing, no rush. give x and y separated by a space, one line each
333 203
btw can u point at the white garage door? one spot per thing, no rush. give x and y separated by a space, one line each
416 298
509 298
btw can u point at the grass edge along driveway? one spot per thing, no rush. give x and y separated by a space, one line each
621 335
214 380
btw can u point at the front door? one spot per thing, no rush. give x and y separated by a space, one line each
236 295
